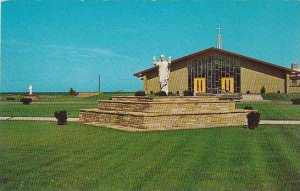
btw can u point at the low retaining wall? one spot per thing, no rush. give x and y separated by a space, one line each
163 122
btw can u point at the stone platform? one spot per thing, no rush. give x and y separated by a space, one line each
32 97
164 113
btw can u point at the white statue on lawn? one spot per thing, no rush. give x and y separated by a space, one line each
164 72
30 89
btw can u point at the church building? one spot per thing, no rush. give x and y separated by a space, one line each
214 69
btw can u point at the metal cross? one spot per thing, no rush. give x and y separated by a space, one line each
219 28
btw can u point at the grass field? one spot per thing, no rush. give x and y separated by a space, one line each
42 110
280 97
48 104
274 111
267 110
44 156
66 97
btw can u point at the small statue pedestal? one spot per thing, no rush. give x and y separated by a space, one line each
32 97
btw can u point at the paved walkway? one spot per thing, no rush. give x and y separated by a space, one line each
35 119
279 122
74 119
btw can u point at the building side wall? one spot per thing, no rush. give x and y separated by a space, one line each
178 80
294 89
254 77
151 82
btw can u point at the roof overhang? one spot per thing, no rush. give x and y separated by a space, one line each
218 51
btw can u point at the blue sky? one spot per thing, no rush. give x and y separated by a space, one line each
56 44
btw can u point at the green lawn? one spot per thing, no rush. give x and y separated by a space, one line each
280 97
39 110
48 104
44 156
274 111
66 98
267 110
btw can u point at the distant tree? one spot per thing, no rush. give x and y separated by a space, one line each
72 92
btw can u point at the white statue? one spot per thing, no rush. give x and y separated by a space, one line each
164 72
30 89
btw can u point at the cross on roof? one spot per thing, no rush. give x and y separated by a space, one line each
219 29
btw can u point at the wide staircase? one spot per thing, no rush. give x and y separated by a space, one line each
164 113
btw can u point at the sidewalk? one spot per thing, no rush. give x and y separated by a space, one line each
74 119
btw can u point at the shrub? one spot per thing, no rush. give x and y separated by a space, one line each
170 94
248 92
10 98
177 93
278 91
26 101
296 101
151 92
161 93
253 120
188 93
248 107
140 93
61 117
72 92
263 90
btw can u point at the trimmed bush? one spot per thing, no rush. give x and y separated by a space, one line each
140 93
72 92
263 90
61 117
278 91
248 107
26 101
253 120
296 101
170 94
248 92
10 98
161 93
188 93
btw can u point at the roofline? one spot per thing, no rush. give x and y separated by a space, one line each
216 50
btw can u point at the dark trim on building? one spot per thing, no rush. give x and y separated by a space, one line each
218 51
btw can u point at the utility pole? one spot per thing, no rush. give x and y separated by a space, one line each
99 80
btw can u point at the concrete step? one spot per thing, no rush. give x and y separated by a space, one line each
154 121
252 97
164 98
167 107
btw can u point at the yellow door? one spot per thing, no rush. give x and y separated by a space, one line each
227 84
199 85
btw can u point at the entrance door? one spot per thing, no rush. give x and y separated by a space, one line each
199 85
227 84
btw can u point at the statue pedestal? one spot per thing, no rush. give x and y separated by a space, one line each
138 113
33 97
